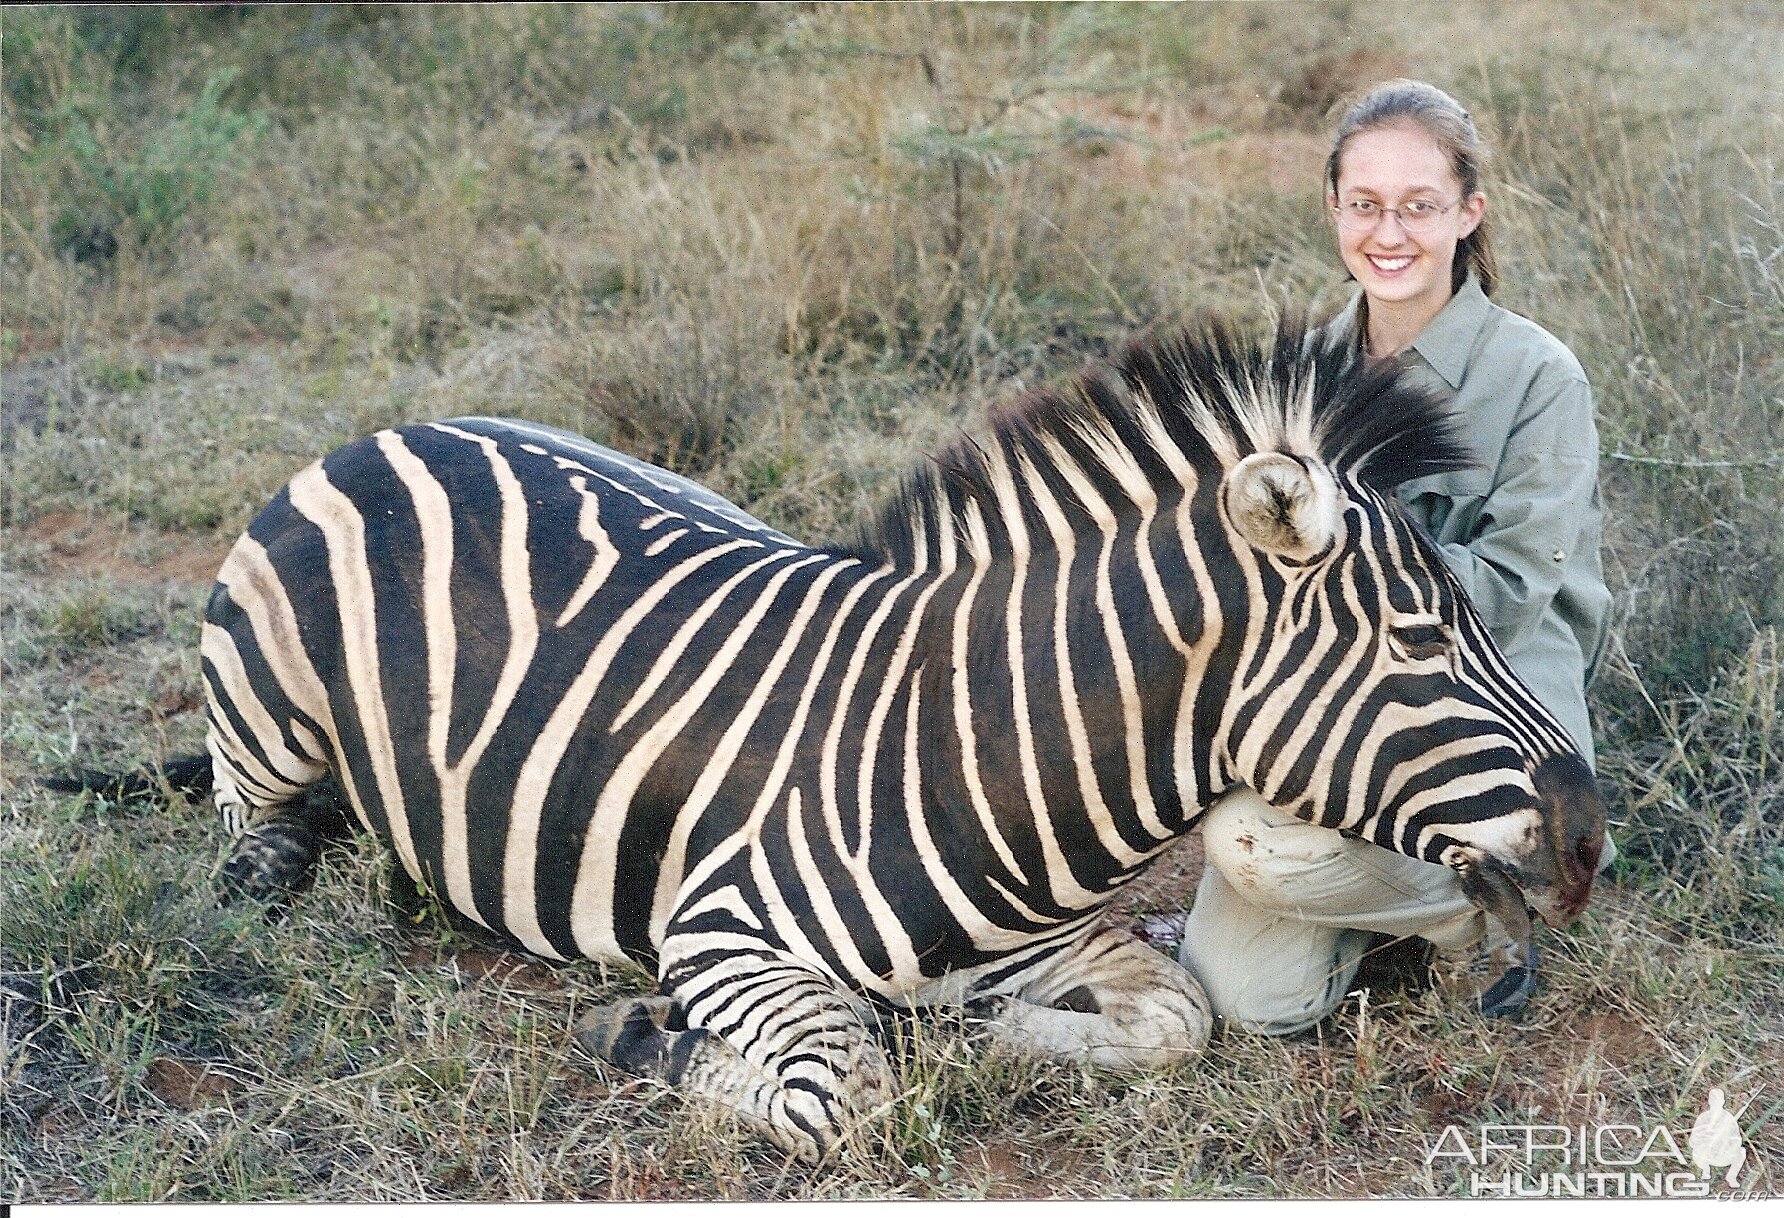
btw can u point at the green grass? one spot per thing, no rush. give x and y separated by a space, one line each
788 250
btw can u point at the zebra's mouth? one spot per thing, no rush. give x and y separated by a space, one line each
1491 888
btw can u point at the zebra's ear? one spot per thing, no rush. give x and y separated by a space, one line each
1283 505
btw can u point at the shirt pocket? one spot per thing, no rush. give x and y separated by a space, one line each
1447 505
1456 484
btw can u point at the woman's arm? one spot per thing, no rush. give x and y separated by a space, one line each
1542 504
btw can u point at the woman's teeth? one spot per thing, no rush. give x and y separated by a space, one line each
1390 265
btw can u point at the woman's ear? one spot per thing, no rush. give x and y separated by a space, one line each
1474 210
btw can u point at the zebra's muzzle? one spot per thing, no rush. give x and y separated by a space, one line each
1555 876
1573 814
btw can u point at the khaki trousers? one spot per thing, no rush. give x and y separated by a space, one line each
1285 911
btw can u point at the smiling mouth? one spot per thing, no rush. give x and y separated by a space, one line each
1390 266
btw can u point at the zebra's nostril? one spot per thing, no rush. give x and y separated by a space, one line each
1586 852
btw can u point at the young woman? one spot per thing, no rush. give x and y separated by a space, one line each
1285 911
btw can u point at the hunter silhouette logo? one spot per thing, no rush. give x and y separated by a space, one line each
1715 1141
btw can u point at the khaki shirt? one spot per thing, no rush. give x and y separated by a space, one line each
1521 532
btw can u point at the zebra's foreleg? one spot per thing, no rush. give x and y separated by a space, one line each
752 1029
1109 1000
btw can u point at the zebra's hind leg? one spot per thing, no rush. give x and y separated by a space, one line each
752 1029
274 858
1111 1001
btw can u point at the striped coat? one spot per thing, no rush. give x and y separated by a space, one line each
604 712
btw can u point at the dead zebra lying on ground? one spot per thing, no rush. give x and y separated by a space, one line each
607 714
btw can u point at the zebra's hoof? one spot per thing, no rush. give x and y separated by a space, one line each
631 1034
271 863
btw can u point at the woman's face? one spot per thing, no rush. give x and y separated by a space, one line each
1392 167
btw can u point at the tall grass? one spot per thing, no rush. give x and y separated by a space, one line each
787 250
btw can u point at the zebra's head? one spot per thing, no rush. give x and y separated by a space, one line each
1365 693
1206 531
1422 739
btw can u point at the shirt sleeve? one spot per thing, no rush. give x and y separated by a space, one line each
1540 506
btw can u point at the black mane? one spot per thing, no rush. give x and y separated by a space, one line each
1219 394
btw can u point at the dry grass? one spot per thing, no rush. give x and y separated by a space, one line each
787 251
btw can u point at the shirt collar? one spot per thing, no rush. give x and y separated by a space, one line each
1447 341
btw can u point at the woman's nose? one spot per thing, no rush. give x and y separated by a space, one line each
1390 231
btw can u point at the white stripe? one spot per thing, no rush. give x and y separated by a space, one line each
591 904
664 542
860 648
960 679
891 678
434 513
323 504
728 899
534 780
588 526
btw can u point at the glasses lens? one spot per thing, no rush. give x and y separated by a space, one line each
1419 219
1361 216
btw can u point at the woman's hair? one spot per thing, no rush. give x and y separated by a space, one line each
1445 120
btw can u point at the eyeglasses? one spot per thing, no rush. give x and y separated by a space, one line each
1417 216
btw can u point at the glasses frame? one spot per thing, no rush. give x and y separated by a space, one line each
1350 221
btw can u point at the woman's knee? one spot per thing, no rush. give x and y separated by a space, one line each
1271 859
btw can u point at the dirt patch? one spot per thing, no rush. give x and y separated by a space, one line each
502 968
188 1085
78 543
1618 1039
1013 1172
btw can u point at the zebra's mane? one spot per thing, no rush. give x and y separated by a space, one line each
1196 402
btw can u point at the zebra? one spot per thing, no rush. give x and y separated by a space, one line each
607 714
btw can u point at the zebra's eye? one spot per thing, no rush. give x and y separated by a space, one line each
1419 640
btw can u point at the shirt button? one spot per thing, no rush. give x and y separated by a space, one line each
1560 555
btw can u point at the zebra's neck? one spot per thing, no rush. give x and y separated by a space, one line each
1059 685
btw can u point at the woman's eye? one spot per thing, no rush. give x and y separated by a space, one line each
1363 207
1419 207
